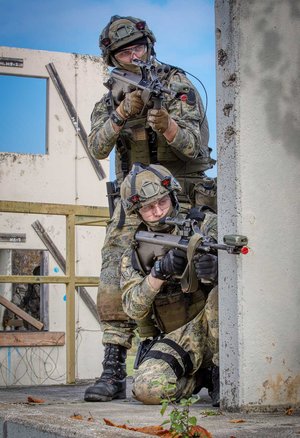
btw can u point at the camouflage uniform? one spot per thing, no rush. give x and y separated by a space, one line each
179 157
197 335
186 156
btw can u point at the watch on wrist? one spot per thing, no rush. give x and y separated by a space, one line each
117 119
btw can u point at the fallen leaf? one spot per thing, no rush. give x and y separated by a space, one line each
76 417
289 411
35 400
159 431
237 421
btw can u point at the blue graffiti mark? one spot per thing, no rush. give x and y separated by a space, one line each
65 298
56 269
8 377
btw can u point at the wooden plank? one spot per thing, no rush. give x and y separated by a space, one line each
48 279
70 304
72 113
91 222
32 339
60 260
59 279
101 213
19 312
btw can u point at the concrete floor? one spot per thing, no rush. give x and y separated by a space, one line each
53 418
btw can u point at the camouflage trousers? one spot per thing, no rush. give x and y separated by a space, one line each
199 338
116 326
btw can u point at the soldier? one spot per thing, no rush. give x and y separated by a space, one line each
176 136
182 327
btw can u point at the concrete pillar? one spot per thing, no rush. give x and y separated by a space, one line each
258 126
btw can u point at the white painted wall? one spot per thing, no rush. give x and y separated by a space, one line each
258 178
63 176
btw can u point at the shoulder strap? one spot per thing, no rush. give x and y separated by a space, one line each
189 280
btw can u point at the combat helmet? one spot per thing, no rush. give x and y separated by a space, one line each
121 32
146 184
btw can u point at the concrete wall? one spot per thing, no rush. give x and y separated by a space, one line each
258 125
64 175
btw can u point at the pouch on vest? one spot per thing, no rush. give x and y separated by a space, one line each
177 309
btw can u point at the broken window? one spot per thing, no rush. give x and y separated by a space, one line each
32 298
23 114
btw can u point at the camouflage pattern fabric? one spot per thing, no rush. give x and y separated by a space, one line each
188 143
178 157
137 294
197 339
116 242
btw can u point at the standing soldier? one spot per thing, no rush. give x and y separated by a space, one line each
175 135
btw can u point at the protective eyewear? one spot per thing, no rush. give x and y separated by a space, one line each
161 203
138 50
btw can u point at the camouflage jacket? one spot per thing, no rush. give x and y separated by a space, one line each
138 297
178 156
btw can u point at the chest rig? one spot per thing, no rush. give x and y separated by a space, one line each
137 142
171 308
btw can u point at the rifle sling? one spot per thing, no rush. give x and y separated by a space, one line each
189 280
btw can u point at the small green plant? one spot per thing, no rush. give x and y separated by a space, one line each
209 413
179 417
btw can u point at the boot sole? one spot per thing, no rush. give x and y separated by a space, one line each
105 398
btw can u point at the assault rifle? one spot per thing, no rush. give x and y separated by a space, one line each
151 245
149 83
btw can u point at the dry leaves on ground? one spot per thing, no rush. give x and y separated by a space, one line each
289 411
34 400
80 417
159 431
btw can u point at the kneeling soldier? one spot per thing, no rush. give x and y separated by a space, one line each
179 330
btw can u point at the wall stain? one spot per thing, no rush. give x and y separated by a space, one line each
222 57
227 109
230 81
280 390
229 133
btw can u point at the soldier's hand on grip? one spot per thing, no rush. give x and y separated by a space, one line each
131 105
173 263
206 267
159 119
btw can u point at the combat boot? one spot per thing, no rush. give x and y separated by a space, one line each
112 382
215 391
203 380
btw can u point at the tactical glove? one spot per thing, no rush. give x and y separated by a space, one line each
173 263
159 119
206 267
131 105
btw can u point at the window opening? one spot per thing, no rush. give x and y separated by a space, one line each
23 114
31 297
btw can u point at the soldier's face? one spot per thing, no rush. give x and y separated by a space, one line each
127 55
156 210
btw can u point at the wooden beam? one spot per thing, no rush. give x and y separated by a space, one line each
32 339
58 279
60 260
48 279
70 304
72 113
57 209
19 312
